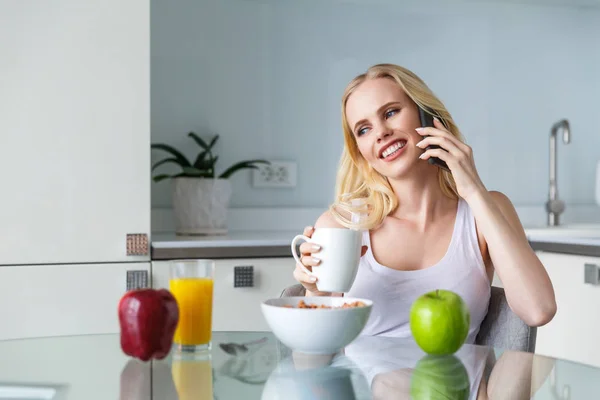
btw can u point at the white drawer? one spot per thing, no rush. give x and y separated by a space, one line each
573 332
60 300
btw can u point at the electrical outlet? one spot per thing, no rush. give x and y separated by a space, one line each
279 174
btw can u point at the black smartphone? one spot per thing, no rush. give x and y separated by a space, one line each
427 120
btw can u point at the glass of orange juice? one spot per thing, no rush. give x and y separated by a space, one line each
191 283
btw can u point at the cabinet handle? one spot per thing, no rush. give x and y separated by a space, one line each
137 244
243 276
137 279
592 274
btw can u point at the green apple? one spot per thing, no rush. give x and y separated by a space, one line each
439 322
439 377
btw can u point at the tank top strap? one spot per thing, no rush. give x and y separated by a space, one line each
467 234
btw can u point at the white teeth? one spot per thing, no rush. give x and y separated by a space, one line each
393 148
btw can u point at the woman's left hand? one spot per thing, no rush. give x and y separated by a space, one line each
456 154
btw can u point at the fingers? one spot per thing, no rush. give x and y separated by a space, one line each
438 124
443 132
308 281
439 153
308 231
310 261
441 141
302 276
309 248
429 131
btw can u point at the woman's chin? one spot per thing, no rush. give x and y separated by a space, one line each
400 169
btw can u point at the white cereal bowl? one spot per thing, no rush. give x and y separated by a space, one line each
316 331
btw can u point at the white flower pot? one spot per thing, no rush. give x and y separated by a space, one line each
200 205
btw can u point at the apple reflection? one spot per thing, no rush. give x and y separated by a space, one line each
135 382
398 369
440 377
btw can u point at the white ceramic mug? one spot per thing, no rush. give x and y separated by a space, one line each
339 255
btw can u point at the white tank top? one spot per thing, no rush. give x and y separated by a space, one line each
461 270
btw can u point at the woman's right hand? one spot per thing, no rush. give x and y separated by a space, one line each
308 260
309 257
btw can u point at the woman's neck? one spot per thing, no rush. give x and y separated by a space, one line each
421 198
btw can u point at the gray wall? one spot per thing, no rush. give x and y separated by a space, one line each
268 76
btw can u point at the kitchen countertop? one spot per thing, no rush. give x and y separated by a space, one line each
273 243
236 244
567 245
578 239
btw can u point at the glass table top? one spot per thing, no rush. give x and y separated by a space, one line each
94 367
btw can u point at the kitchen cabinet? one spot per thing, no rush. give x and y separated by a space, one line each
573 333
58 300
74 130
75 156
238 308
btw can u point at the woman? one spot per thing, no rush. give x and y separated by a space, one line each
425 228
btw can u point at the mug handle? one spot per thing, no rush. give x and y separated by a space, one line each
295 240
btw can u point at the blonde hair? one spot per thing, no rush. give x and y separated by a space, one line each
362 191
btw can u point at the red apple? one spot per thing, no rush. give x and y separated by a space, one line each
148 319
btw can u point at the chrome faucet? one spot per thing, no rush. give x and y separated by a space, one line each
555 206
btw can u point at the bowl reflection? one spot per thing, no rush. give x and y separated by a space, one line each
308 377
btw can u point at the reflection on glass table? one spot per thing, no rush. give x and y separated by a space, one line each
381 368
13 391
93 367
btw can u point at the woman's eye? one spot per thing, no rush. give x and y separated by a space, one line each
391 113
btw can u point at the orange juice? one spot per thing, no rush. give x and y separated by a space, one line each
193 379
195 299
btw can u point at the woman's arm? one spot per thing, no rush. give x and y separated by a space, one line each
529 291
517 375
528 288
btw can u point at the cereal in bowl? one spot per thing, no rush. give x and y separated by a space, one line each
302 304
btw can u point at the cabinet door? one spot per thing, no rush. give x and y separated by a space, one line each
238 308
573 332
74 130
57 300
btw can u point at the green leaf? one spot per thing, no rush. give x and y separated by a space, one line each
242 165
206 165
197 173
199 140
200 160
161 177
213 141
191 171
165 161
183 161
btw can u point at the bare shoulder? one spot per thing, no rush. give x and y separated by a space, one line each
508 210
327 220
501 199
504 204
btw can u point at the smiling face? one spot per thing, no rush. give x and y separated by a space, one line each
383 119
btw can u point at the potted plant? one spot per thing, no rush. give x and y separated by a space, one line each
200 197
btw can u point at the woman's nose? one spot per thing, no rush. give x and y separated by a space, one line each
383 132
